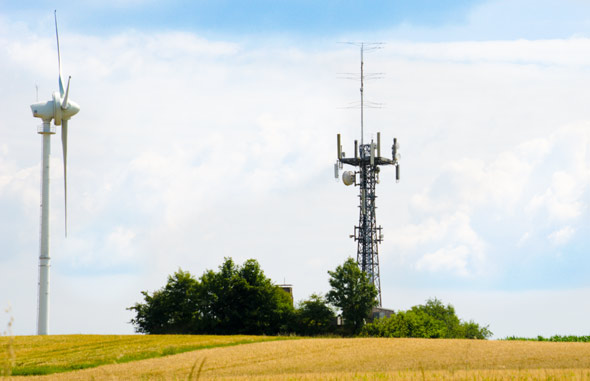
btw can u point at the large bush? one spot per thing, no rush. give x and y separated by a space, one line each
431 320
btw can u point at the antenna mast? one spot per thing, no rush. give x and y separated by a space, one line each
367 160
363 47
362 92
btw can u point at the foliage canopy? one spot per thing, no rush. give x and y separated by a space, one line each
353 293
242 300
234 300
314 316
430 320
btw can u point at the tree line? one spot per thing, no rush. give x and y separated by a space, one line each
554 338
242 300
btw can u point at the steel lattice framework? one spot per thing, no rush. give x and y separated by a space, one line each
367 233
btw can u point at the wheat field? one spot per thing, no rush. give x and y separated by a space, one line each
26 355
359 359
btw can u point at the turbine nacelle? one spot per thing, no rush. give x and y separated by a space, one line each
44 110
57 109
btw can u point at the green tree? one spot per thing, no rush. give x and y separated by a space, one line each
241 300
353 293
170 309
314 316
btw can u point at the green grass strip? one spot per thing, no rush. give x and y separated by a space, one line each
554 339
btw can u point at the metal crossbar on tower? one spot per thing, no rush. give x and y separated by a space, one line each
367 160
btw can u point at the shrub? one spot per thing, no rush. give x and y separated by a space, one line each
431 320
314 317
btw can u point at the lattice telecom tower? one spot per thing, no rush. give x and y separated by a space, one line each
367 158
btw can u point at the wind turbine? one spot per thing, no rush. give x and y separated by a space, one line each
60 108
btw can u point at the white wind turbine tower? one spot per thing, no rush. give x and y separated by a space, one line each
60 108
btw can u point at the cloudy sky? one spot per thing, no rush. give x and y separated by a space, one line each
207 129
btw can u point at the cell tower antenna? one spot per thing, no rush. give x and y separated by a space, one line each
365 46
367 161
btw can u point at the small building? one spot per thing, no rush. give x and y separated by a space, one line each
288 288
380 312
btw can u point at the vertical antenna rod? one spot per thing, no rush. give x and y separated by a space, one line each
362 91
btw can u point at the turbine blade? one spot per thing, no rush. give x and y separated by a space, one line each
64 102
61 84
64 143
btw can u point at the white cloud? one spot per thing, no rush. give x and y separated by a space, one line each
501 182
519 52
564 198
562 236
425 232
453 259
499 204
523 239
561 200
188 150
460 250
121 241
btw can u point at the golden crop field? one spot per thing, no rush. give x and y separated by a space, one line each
359 359
51 354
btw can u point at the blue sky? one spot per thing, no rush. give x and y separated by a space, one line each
307 18
207 130
425 19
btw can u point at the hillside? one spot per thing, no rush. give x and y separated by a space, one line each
359 359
